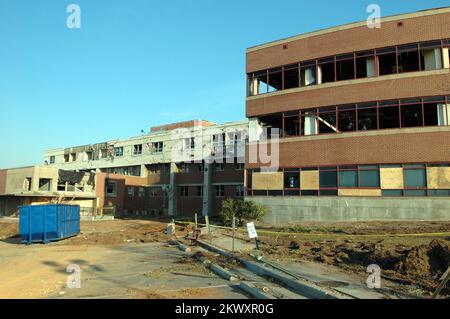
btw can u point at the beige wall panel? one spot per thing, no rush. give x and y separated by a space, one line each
309 180
391 178
267 181
438 177
360 192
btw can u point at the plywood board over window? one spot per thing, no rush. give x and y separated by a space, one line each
438 177
309 180
267 181
391 178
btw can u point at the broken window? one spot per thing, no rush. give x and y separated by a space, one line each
118 151
291 76
157 147
73 157
347 118
52 159
309 122
28 183
408 58
389 114
275 80
291 178
387 61
435 111
153 192
365 64
199 191
130 191
308 73
183 167
111 189
326 70
431 55
184 191
367 116
273 123
45 185
220 191
240 191
291 124
411 112
66 158
260 83
327 120
345 67
137 149
141 192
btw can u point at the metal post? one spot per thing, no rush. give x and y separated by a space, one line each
195 220
207 227
234 233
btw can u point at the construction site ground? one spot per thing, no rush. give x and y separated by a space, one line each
132 259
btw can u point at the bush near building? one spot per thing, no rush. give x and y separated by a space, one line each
243 211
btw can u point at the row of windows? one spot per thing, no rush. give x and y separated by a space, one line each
377 62
186 191
218 167
354 177
412 112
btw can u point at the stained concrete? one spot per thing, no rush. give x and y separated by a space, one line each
285 210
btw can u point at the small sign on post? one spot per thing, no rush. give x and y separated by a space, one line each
252 233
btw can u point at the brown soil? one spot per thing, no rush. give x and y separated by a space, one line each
118 232
405 262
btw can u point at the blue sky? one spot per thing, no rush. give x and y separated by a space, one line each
138 63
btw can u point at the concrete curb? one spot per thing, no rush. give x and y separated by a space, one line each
256 292
222 272
302 287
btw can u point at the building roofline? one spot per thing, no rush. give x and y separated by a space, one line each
421 13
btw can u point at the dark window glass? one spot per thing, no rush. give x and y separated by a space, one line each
347 118
367 119
328 193
328 179
345 69
291 179
326 68
310 193
431 111
411 115
292 124
415 178
387 63
408 61
415 193
439 192
369 178
348 178
275 193
291 77
392 193
389 117
289 192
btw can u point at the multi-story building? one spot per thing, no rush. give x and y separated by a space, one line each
176 170
363 114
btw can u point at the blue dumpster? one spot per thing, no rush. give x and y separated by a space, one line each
45 223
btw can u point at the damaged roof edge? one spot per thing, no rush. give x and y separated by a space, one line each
348 26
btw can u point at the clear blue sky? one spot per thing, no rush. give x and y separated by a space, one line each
138 63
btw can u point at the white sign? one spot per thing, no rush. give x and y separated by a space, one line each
251 230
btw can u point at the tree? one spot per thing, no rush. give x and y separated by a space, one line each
243 211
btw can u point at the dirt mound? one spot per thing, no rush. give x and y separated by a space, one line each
426 260
8 229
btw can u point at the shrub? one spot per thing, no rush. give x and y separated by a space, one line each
244 211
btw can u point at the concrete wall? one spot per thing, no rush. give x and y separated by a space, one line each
285 210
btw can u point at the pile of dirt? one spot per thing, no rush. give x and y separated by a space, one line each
118 232
420 265
426 260
8 230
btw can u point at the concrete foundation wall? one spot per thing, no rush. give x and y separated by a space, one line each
283 210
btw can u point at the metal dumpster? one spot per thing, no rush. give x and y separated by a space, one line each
45 223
